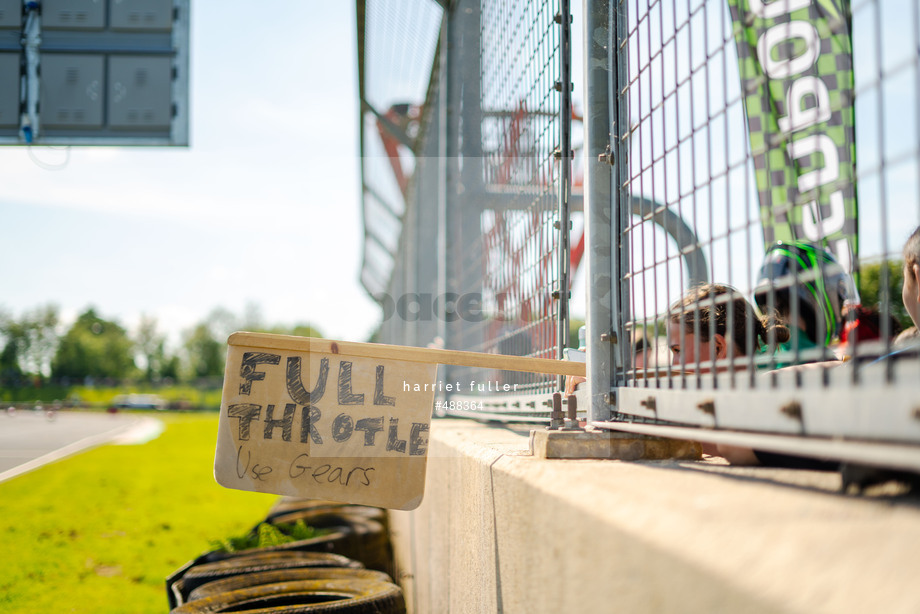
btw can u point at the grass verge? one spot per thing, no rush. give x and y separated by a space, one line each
99 532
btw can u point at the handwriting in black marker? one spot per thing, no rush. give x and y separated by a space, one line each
246 412
257 472
342 428
370 426
379 397
327 473
239 454
346 395
286 423
311 413
248 371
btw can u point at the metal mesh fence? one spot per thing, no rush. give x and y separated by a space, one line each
515 259
751 176
700 136
462 244
781 138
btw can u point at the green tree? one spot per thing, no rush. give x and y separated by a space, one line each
29 344
205 353
42 324
94 348
305 330
13 339
878 285
10 372
151 346
171 368
298 330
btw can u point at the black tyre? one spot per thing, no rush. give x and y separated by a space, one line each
365 540
290 505
249 580
204 573
307 597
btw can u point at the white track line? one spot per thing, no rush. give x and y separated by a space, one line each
68 450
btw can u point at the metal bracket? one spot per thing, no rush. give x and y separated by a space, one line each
607 156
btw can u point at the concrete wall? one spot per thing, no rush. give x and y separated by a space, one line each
502 531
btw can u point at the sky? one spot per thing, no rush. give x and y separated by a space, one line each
261 209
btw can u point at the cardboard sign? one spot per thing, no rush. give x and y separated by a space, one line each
324 420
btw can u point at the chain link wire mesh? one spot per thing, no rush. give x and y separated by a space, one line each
734 124
761 127
520 130
461 218
698 140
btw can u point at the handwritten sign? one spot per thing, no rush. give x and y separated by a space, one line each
325 420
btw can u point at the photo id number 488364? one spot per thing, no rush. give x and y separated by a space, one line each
458 405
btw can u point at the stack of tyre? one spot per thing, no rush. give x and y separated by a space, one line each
349 569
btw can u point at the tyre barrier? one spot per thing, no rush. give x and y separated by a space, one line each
357 538
203 573
248 580
352 596
339 539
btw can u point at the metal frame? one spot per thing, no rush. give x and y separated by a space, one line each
175 45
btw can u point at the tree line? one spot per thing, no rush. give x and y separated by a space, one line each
38 349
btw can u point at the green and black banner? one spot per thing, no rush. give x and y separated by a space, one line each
796 64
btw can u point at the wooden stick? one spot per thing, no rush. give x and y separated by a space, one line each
412 354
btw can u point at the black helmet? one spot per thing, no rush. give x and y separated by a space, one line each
821 286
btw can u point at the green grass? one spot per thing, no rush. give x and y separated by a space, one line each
99 532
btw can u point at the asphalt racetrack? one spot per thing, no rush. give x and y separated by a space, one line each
30 439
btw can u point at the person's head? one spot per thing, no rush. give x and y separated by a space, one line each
716 321
807 288
641 348
910 292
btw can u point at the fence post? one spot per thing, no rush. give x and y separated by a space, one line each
598 175
564 85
